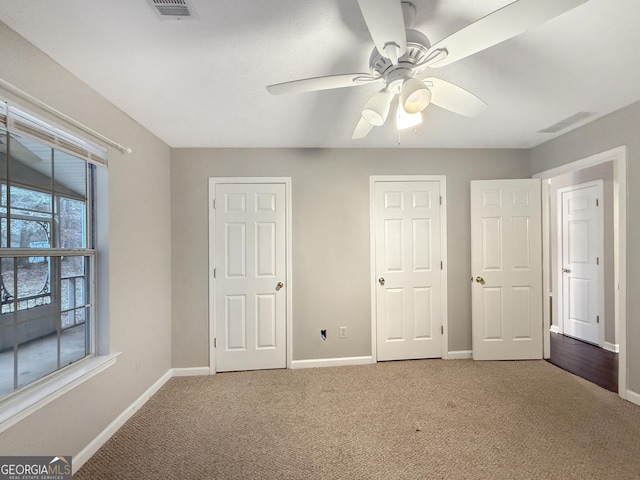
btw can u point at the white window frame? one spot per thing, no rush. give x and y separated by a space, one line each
30 398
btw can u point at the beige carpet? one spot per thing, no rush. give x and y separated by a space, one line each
429 419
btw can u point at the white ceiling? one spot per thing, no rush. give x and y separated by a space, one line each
201 82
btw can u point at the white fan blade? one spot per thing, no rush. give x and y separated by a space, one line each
322 83
454 98
385 21
497 27
362 129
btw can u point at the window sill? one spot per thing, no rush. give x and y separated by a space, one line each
22 404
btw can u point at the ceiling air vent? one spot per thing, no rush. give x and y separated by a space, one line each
567 122
173 9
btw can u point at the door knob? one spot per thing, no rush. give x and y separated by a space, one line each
480 280
566 270
381 280
279 286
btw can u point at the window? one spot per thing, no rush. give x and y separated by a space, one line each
47 249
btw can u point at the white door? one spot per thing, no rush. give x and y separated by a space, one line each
407 222
506 264
250 276
581 260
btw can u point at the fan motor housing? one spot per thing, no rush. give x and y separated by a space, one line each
417 46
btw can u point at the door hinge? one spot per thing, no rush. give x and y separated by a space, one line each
597 260
440 200
442 329
214 203
215 343
597 202
597 318
441 265
214 273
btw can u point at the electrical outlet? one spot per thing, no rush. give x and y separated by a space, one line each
342 332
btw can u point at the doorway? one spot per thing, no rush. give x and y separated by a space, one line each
612 321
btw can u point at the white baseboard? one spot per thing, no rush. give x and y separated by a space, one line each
554 329
189 372
633 397
87 452
612 347
458 355
332 362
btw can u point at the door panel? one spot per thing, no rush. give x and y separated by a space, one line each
422 312
236 322
395 310
492 326
250 249
492 243
421 244
506 264
236 254
266 249
408 273
582 249
266 318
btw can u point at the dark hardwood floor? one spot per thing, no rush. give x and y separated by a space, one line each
585 360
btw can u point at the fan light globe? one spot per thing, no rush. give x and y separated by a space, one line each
377 108
407 120
415 96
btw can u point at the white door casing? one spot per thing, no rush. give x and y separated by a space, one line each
581 225
407 267
618 156
506 267
250 284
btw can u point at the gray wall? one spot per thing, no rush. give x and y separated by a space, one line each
138 260
330 237
611 131
597 172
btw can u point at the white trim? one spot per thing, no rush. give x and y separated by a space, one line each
546 284
554 329
331 362
633 397
16 408
597 159
189 372
619 158
599 219
289 259
212 255
94 445
442 179
444 296
459 355
372 271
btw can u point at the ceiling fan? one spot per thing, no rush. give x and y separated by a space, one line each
402 54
